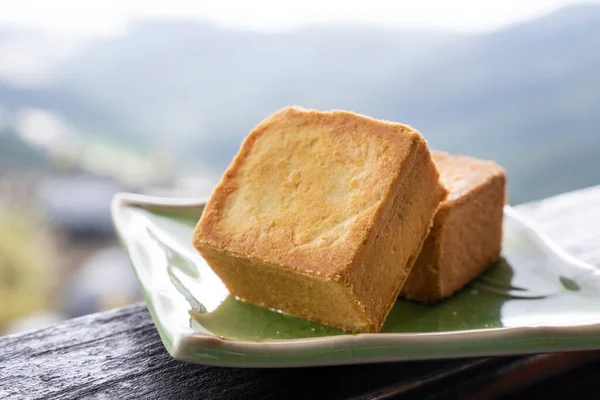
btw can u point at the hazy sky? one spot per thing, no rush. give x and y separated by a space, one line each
111 16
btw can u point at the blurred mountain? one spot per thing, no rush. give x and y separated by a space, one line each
78 108
182 80
526 96
15 153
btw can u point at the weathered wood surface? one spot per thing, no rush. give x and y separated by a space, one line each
118 354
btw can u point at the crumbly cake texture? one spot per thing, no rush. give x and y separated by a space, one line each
467 230
322 215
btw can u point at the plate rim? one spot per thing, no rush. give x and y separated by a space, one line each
182 340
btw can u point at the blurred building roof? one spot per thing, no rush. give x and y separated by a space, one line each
79 204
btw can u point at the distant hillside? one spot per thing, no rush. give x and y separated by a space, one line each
182 79
80 109
16 154
526 96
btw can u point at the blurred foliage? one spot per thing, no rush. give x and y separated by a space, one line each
25 278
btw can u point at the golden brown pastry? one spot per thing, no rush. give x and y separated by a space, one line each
321 215
467 229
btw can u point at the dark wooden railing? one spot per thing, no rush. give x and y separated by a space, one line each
118 354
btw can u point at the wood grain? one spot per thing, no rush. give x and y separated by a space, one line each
118 354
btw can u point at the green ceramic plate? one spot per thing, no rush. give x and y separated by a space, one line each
535 299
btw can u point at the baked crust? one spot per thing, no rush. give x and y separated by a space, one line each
467 230
321 215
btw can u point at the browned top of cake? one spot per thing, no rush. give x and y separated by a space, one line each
306 187
463 174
